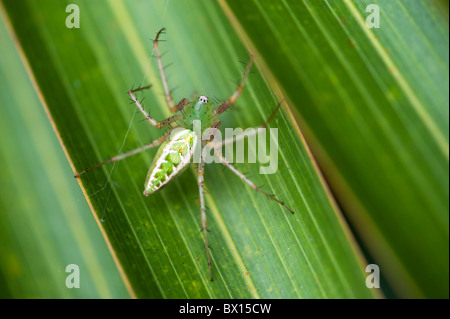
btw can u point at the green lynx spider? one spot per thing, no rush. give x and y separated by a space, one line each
176 150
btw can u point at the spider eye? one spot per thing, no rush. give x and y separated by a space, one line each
203 99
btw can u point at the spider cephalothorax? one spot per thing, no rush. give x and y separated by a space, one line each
201 109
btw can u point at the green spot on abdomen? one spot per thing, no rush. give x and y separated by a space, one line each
173 158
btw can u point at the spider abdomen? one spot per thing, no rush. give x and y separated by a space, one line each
173 156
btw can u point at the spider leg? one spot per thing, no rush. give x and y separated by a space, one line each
182 104
241 136
272 115
224 161
201 183
168 95
233 98
120 157
215 125
150 119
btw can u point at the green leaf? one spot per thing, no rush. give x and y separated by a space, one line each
373 103
45 223
258 249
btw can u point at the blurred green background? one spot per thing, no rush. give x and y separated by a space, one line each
372 104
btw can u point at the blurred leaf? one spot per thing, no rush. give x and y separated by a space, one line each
373 103
258 249
45 223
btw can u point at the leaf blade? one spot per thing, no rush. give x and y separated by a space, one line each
260 251
381 138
